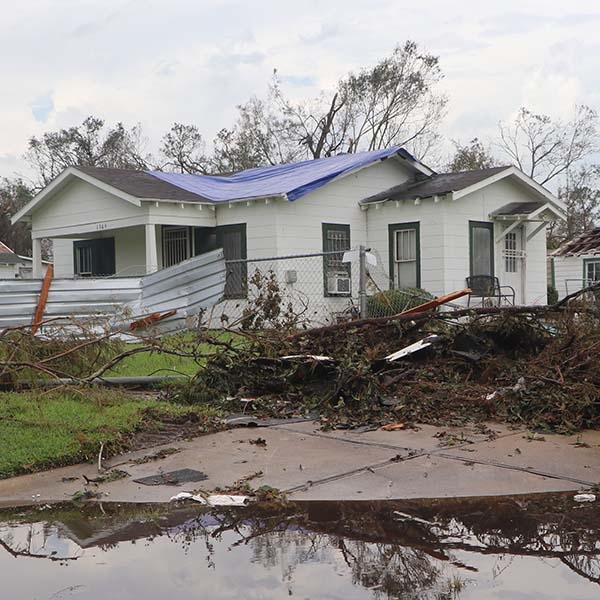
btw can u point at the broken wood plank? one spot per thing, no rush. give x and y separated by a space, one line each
431 304
38 316
150 319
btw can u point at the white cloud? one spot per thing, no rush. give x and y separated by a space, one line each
192 61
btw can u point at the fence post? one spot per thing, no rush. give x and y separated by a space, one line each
362 281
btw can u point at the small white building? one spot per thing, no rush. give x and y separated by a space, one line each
576 264
430 230
13 266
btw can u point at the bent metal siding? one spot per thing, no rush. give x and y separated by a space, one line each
187 287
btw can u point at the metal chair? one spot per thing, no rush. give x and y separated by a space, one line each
488 288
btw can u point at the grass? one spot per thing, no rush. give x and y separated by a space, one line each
43 431
158 362
154 363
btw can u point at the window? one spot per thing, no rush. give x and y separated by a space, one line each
481 248
337 275
180 243
175 245
94 258
591 270
232 238
510 252
405 268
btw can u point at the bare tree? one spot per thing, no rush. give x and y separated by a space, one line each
88 144
184 150
581 195
391 103
545 148
264 134
469 156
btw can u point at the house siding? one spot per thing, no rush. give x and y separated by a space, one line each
570 268
83 208
444 232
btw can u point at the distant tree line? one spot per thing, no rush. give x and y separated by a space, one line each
395 102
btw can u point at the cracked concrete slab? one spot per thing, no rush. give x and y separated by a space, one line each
340 465
431 476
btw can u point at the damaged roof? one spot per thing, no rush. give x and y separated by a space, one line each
292 180
586 243
436 185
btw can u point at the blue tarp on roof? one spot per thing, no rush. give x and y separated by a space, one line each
294 180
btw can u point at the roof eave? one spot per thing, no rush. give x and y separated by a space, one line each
539 190
56 184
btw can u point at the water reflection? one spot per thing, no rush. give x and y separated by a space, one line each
536 547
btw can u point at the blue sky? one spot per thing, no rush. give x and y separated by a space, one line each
157 62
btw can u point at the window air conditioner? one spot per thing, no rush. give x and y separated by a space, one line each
338 283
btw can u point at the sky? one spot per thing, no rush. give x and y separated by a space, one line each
192 61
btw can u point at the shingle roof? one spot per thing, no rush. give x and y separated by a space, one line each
436 185
141 184
513 209
8 257
586 243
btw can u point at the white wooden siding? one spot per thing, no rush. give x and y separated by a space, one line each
444 229
568 273
82 208
175 213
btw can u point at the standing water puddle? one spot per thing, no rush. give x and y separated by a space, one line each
519 547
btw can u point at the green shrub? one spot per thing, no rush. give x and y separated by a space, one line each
392 302
552 295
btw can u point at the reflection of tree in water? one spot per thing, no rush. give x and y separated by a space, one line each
391 571
394 549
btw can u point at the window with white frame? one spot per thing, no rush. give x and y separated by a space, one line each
336 274
404 255
592 270
510 252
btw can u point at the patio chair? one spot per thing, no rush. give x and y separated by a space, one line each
488 288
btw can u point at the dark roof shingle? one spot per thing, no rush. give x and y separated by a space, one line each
436 185
512 209
141 185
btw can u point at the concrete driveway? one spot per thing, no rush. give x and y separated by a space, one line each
309 464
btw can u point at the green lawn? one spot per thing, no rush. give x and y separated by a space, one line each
39 431
157 362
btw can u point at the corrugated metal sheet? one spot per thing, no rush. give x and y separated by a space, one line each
187 287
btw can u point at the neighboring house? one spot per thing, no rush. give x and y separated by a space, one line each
576 264
430 230
13 266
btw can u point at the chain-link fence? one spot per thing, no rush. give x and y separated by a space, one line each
309 290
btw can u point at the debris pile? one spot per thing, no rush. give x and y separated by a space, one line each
531 365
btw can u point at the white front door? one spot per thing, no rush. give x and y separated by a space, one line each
512 267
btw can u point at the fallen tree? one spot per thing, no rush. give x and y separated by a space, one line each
534 365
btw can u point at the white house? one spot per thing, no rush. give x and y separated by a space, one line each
430 230
576 264
13 266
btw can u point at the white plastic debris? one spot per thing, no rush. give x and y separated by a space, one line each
420 345
213 499
584 497
352 255
316 357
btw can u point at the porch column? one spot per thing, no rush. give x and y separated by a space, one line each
151 250
37 269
